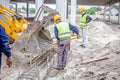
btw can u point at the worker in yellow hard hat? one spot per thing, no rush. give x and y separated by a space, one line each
82 9
56 18
62 34
85 18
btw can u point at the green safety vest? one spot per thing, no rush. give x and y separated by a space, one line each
63 30
83 23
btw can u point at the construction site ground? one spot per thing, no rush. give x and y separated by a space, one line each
99 61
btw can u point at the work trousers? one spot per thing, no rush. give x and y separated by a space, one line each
64 47
84 36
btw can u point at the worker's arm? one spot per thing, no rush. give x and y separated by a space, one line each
74 28
4 42
4 46
88 19
56 32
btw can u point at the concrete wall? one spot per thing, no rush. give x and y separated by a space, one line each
5 2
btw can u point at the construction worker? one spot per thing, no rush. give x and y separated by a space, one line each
4 47
62 34
85 18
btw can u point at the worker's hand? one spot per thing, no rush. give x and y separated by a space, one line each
78 36
9 62
58 51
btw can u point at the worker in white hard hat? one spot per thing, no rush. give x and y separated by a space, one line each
62 34
85 18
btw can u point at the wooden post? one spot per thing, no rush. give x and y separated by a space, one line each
105 12
73 12
119 13
62 9
16 7
47 63
30 60
27 9
110 12
53 60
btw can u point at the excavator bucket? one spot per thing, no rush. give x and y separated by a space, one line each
36 39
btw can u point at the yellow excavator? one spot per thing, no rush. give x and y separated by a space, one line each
36 39
13 23
35 42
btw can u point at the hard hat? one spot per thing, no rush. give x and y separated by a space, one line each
82 9
56 17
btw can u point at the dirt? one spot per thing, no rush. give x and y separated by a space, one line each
103 40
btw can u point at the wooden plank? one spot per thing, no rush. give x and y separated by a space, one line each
95 60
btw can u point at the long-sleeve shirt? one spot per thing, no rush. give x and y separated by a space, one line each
72 28
88 18
4 44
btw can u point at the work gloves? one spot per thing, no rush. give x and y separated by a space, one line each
9 62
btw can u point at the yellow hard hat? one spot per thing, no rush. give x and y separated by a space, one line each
56 17
82 9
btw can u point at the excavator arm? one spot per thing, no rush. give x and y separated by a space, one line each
9 20
36 27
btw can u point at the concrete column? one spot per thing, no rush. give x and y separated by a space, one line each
38 3
61 7
73 12
119 14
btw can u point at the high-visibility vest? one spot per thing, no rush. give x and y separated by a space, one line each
83 23
63 30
